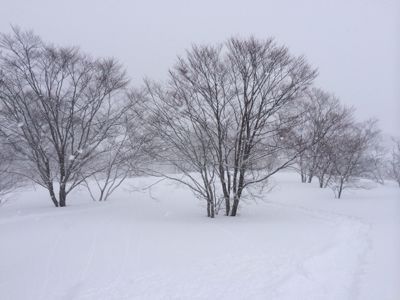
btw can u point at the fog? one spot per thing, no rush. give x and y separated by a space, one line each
354 44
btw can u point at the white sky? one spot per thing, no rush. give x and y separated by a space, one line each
355 44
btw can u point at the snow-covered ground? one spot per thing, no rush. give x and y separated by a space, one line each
297 243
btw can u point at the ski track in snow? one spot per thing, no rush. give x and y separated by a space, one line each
51 257
359 236
301 272
96 292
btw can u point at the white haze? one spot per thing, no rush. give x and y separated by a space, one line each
355 44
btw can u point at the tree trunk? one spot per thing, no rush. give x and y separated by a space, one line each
210 209
340 192
236 200
62 195
101 195
310 177
224 187
226 195
302 171
227 206
238 194
235 206
321 181
50 188
340 189
303 177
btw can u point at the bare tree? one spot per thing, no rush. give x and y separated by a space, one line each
181 143
121 155
394 162
110 168
224 115
9 181
323 116
351 156
57 108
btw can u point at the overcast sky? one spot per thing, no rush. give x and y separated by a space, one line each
355 44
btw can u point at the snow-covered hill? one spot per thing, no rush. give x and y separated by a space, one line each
297 243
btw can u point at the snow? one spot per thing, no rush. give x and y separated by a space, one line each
298 243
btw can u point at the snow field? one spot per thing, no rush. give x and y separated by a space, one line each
299 243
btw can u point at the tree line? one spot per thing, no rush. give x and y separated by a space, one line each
228 117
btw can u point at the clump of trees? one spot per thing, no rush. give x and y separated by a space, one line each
224 114
339 149
228 118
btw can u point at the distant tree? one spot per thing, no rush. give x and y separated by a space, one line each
9 181
58 107
323 116
394 162
224 116
376 159
351 153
